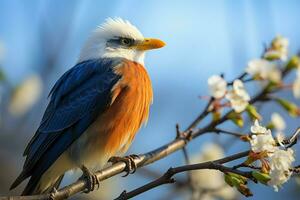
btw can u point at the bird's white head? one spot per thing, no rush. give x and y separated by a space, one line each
118 38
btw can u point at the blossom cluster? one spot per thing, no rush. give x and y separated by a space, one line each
237 95
279 159
268 149
267 69
262 69
278 49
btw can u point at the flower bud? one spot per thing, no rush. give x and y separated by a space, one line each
293 63
252 112
239 182
290 107
261 177
278 49
236 118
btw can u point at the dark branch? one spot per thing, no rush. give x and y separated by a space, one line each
168 176
236 134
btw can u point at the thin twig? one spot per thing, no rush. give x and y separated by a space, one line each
236 134
240 77
186 158
153 174
245 166
168 176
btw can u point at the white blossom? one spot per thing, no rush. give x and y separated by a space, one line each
263 142
238 96
278 122
262 139
280 164
278 49
217 86
257 128
296 85
25 95
210 179
264 69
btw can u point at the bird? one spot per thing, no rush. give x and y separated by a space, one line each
95 109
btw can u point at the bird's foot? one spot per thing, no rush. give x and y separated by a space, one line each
53 194
128 160
91 179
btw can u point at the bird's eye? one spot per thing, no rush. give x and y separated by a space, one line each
126 41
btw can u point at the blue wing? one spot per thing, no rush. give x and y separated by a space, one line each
77 98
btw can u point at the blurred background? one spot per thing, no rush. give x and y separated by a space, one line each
41 39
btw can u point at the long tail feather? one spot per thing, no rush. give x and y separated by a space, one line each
37 186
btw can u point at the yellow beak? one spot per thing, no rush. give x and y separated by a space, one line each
149 43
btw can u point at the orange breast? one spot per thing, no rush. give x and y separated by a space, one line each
131 100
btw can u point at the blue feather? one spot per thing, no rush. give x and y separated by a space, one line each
77 98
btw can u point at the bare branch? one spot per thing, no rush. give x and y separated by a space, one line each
167 177
236 134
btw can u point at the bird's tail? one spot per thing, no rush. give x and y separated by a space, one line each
42 185
38 185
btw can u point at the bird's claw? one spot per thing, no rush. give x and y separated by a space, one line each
91 179
128 160
53 193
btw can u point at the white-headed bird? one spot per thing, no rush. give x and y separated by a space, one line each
95 109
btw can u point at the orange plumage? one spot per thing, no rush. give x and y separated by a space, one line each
133 97
113 131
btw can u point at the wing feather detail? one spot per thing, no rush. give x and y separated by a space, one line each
77 98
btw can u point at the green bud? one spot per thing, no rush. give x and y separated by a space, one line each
252 112
233 179
236 118
293 63
290 107
272 56
228 179
270 126
239 182
261 177
241 178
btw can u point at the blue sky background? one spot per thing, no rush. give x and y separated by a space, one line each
203 38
